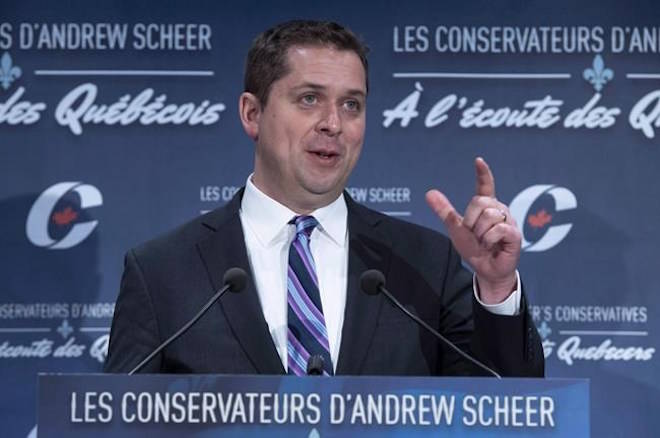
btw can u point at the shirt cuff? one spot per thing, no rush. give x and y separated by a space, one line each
508 307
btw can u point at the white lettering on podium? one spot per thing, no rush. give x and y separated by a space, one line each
96 407
513 411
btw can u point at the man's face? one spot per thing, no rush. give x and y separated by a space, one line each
310 132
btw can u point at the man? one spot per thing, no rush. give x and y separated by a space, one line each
306 243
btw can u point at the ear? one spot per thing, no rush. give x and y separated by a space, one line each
249 110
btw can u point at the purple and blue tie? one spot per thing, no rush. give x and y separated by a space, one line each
307 334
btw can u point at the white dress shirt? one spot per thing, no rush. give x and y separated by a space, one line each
268 236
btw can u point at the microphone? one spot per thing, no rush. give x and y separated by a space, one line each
235 280
372 282
315 365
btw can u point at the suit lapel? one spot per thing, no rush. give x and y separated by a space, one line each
368 249
225 248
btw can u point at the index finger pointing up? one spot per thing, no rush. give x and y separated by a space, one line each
485 180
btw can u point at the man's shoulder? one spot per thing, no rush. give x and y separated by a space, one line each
396 229
186 235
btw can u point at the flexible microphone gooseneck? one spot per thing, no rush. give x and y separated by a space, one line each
235 280
372 282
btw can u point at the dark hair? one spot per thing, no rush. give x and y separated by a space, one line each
267 58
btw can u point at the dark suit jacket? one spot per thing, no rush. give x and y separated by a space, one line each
167 280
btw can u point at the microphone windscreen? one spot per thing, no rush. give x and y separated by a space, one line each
315 365
236 279
371 281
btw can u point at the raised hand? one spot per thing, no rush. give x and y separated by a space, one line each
486 236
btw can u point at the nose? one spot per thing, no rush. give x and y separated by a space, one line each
330 121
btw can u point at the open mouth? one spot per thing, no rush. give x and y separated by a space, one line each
324 155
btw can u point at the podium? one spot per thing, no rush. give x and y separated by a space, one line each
159 405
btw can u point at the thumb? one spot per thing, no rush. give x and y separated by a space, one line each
443 208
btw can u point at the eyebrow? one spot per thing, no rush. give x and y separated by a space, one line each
313 86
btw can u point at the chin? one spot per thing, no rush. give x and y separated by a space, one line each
321 184
317 191
323 190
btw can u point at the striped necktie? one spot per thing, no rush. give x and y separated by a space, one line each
307 333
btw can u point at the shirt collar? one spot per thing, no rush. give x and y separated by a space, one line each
269 220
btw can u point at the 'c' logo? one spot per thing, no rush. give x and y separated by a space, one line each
36 226
519 207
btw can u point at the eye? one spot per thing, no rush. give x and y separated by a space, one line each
309 99
352 105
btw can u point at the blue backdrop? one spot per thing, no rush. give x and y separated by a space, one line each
118 121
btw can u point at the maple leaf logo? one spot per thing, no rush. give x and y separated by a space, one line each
540 219
65 216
